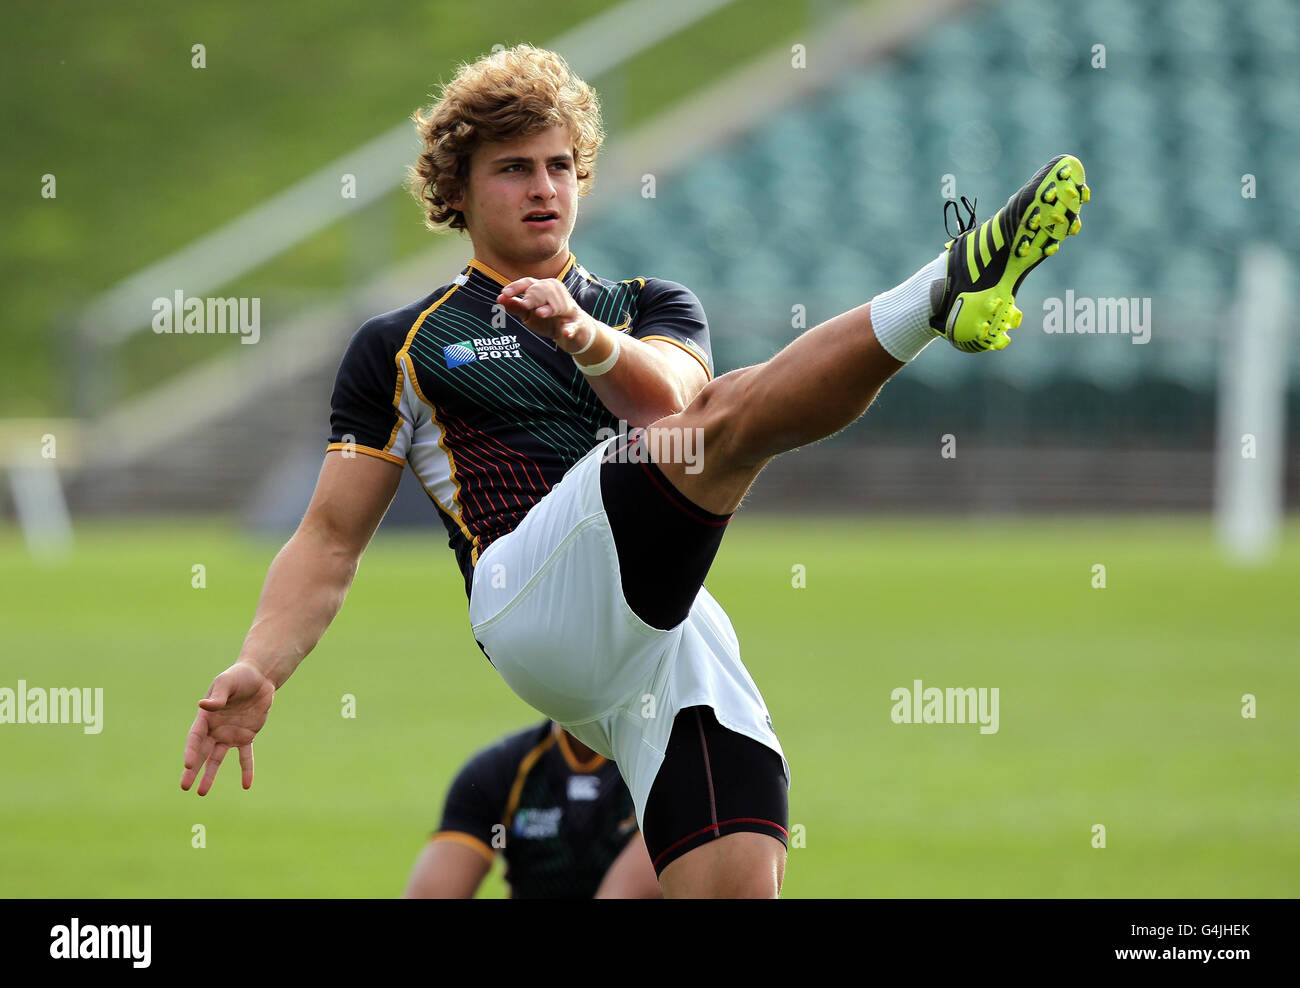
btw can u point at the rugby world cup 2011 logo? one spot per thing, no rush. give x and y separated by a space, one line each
459 353
487 348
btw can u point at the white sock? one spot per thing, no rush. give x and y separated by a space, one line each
901 316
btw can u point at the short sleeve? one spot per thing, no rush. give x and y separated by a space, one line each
476 801
671 312
368 410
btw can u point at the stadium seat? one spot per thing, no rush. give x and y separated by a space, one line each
838 198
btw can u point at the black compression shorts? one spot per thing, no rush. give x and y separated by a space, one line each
713 782
665 542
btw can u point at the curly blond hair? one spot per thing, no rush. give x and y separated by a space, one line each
513 93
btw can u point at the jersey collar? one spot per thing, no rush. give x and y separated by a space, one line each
573 274
566 750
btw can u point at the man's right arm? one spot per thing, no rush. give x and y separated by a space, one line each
304 590
447 870
309 578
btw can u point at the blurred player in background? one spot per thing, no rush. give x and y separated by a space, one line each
584 557
558 812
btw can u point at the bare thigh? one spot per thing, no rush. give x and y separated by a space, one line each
722 473
736 866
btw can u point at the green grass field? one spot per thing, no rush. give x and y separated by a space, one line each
1118 706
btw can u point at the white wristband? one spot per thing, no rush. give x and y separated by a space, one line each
595 332
595 370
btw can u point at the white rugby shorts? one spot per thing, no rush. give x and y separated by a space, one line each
547 606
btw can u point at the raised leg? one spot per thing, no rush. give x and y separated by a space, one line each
819 384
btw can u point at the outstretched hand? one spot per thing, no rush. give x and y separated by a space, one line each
229 717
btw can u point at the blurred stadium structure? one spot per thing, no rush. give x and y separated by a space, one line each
784 190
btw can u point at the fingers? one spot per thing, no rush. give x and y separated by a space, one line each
214 763
518 307
518 287
197 746
246 765
516 294
218 694
543 298
515 297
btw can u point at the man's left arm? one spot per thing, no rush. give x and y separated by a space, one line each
639 381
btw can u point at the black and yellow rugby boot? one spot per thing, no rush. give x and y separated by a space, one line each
974 305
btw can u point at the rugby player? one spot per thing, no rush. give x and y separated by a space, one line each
584 556
558 812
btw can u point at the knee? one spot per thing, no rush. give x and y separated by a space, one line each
719 410
757 868
719 398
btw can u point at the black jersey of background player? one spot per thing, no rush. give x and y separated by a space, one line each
562 822
488 414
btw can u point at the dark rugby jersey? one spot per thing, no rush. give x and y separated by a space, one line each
489 415
560 823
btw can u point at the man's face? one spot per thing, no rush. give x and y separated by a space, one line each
508 182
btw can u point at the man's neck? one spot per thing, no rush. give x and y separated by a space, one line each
513 271
580 750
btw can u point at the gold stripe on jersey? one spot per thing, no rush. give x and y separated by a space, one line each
369 451
468 840
683 346
597 759
525 766
478 265
473 554
403 359
496 276
397 407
